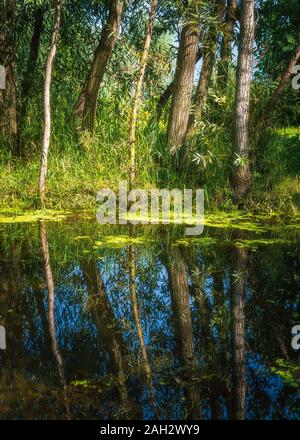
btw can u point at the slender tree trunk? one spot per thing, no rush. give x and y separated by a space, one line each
184 75
8 100
242 173
167 93
179 288
285 79
28 79
138 93
207 68
86 105
226 47
47 104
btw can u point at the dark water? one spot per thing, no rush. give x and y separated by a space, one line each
100 326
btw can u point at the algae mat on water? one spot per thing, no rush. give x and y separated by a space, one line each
10 217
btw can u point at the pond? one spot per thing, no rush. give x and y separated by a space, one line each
110 322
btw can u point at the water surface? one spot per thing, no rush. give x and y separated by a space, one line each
112 323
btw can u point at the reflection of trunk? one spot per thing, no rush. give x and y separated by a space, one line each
179 289
184 75
207 67
240 262
47 105
11 295
106 325
138 93
51 307
86 105
226 46
137 319
8 101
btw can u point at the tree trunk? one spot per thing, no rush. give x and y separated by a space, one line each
226 47
47 105
207 67
28 79
183 81
138 94
86 105
8 99
242 174
285 79
166 95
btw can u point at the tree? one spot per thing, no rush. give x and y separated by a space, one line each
184 75
138 92
8 96
226 47
242 173
286 76
86 105
28 78
47 104
207 66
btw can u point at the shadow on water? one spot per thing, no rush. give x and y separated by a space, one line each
146 324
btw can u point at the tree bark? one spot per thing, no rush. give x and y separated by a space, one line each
86 104
8 96
167 93
207 68
226 47
242 173
47 104
183 81
138 93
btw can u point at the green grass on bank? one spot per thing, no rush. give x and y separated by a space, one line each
77 173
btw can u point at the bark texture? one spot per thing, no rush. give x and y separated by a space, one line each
242 174
183 81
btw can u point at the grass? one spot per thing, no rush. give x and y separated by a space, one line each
79 168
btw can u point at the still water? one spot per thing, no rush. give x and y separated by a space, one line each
110 323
